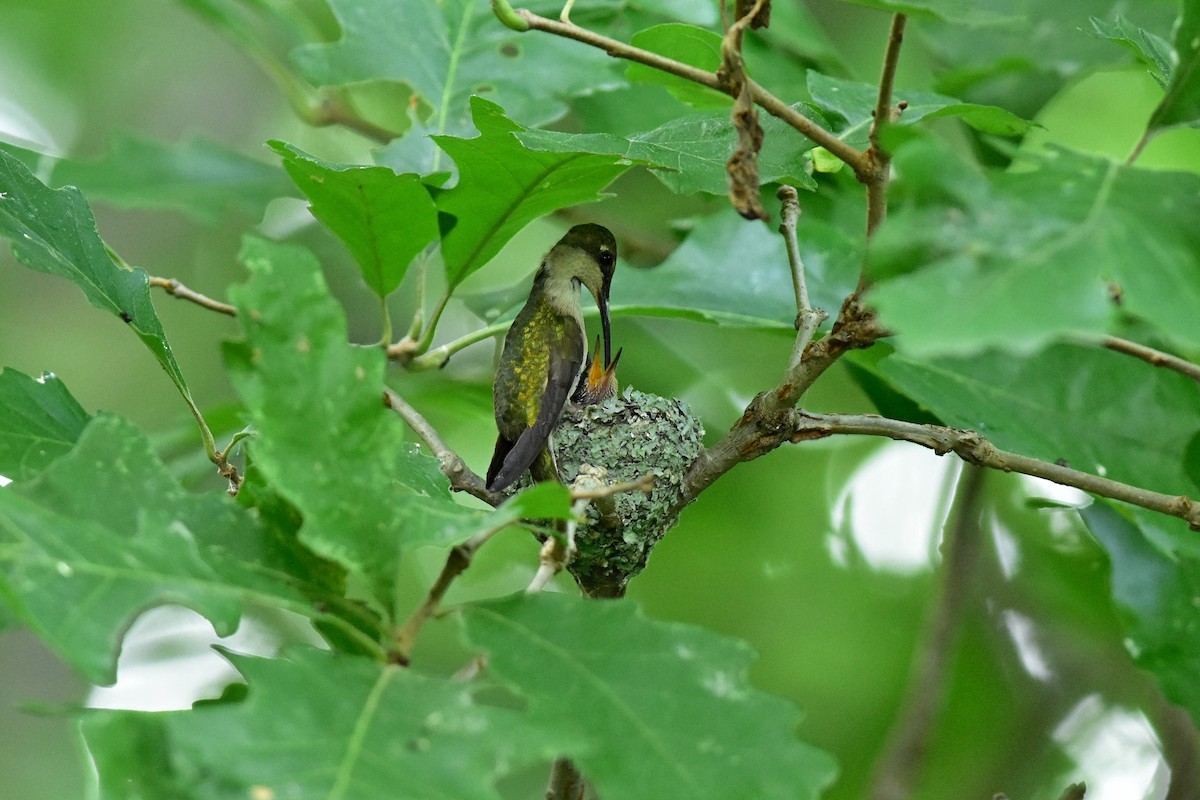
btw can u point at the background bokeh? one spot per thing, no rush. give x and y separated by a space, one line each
821 555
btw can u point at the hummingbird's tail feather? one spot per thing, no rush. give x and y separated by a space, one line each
503 446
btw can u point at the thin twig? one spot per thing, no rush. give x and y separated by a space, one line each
462 478
1136 152
457 562
405 350
903 753
176 289
556 553
807 317
1151 356
880 160
523 19
330 108
644 484
975 449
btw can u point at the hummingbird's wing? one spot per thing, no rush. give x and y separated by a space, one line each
560 380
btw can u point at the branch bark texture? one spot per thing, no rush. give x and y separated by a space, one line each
975 449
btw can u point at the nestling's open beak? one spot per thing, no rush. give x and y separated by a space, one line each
599 382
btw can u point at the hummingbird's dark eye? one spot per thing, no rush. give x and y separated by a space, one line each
606 259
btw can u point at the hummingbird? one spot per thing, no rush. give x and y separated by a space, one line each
542 363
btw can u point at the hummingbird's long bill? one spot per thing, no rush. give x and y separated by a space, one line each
605 327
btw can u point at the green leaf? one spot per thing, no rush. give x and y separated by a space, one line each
383 218
1100 411
733 272
32 159
1024 61
448 52
198 178
1153 51
134 758
325 441
321 725
1155 593
967 262
688 154
694 46
1181 104
548 500
53 231
663 710
41 421
855 102
503 186
104 532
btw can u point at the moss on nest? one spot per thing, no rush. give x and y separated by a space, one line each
626 436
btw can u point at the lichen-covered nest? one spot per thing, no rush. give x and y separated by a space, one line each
627 436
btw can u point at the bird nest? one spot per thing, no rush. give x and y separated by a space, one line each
623 439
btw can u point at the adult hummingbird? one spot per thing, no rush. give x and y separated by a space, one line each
543 356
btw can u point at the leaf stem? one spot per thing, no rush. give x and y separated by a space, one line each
434 319
220 459
418 318
440 355
237 437
385 314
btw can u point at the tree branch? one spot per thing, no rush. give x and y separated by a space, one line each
903 753
457 562
523 20
768 421
1151 356
461 477
880 162
176 289
975 449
